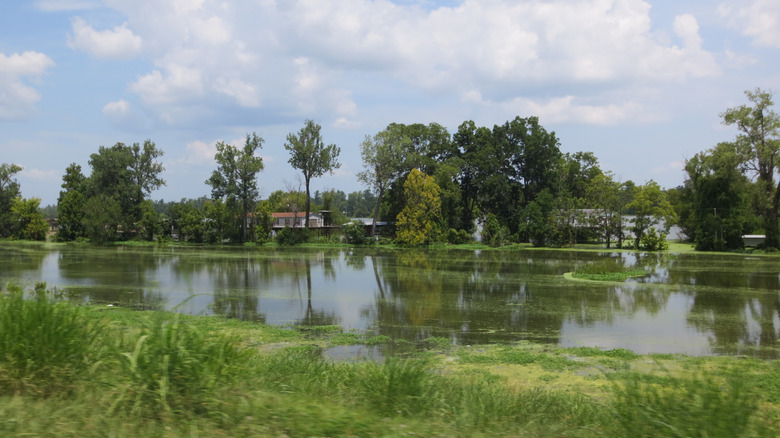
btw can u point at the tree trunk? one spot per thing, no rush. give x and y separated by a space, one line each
376 212
306 219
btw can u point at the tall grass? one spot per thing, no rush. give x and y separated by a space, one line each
45 346
683 407
174 367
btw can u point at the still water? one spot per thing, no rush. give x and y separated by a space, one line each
696 304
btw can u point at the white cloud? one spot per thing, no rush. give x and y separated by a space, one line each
119 43
759 20
302 57
200 153
118 109
17 99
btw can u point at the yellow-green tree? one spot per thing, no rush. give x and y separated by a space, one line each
418 222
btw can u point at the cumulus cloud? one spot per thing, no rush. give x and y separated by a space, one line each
17 99
118 43
308 58
759 19
200 153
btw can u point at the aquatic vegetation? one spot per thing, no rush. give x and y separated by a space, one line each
606 271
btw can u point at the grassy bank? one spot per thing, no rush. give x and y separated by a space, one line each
106 371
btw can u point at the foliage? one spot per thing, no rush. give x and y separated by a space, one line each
654 241
458 237
383 162
355 233
235 178
264 221
174 367
418 222
309 154
102 219
650 208
493 233
606 271
758 145
9 191
45 346
293 236
28 223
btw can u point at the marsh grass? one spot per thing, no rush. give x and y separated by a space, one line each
607 271
698 406
45 346
174 366
166 375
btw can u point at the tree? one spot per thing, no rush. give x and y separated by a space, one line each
264 220
235 178
309 154
383 162
71 203
103 216
418 222
719 198
758 143
28 219
9 191
650 208
127 174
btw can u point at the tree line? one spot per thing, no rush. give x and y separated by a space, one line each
511 180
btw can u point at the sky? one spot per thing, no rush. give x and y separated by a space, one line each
639 83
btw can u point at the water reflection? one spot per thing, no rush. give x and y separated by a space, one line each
695 304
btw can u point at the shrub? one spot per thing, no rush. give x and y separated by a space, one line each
44 345
293 236
653 241
458 237
355 233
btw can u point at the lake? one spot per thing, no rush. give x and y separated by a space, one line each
696 304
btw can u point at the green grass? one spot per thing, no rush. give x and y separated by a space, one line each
160 374
606 271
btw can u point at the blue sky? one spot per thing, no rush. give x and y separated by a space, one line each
639 83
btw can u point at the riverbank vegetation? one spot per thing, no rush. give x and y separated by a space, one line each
513 180
120 372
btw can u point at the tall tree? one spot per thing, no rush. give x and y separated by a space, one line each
418 222
28 219
309 154
9 191
758 142
383 162
720 198
235 178
71 203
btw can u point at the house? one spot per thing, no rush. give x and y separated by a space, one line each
297 220
753 239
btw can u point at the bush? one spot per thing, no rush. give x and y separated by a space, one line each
293 236
653 241
355 234
44 345
458 237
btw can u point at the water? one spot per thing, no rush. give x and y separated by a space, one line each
696 304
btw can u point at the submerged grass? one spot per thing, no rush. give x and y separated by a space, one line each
161 374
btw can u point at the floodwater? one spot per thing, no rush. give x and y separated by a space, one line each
695 304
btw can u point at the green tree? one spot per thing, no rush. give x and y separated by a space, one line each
9 191
28 219
603 196
71 204
309 154
235 178
102 218
127 174
418 222
758 143
650 208
264 220
149 224
383 162
720 198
